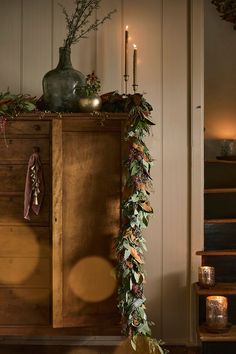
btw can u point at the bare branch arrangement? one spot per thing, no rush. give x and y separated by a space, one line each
78 23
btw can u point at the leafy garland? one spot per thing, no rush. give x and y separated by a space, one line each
11 106
136 210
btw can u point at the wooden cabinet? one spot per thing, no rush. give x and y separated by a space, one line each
219 250
57 270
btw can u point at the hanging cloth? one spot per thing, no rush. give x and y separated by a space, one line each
34 185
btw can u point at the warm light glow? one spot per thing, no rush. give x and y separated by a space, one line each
125 347
92 279
15 267
16 270
220 125
216 312
134 45
127 27
25 264
81 350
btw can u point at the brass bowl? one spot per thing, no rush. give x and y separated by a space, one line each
90 103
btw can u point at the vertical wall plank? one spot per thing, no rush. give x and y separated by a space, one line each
36 44
175 171
83 54
109 47
57 260
197 137
10 40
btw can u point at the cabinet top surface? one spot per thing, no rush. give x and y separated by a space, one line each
83 116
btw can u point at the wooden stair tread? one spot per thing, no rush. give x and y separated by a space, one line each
218 289
220 190
217 253
220 161
220 221
206 336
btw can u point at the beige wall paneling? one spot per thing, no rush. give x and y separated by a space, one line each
10 29
83 54
175 171
197 149
36 44
145 30
109 46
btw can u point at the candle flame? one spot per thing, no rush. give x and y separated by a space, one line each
134 45
127 27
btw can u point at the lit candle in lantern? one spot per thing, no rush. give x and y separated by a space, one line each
135 67
126 50
216 312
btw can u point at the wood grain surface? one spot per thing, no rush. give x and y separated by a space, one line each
91 219
57 222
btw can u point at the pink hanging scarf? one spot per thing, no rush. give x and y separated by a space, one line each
34 185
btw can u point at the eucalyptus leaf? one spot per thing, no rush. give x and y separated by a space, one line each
127 254
29 106
133 342
136 276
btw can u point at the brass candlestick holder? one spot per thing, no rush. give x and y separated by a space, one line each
135 88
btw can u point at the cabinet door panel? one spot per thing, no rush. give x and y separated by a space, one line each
90 214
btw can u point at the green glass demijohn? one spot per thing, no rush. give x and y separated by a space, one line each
60 85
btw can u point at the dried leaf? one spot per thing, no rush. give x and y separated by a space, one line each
146 207
135 254
141 186
138 147
129 264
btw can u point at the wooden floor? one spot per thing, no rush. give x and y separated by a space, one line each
54 349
